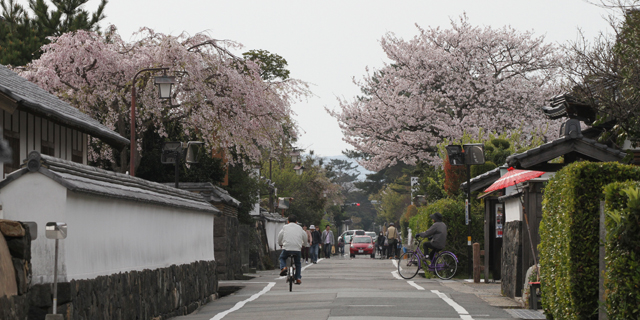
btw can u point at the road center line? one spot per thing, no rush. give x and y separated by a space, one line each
459 309
242 303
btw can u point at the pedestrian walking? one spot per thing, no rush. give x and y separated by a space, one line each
316 239
380 244
392 237
306 249
327 241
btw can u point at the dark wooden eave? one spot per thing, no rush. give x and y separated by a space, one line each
17 93
482 181
573 149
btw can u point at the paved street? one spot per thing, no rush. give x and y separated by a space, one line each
361 288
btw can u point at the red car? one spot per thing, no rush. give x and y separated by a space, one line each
362 245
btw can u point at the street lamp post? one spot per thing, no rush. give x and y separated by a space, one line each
164 84
471 154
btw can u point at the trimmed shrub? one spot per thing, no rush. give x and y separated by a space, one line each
452 211
569 237
482 168
622 247
412 210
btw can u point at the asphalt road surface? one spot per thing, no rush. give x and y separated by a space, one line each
341 288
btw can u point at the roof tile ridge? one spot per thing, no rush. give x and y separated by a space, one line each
93 173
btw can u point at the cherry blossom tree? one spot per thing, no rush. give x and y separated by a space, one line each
445 82
219 97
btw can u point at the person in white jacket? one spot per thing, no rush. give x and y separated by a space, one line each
291 239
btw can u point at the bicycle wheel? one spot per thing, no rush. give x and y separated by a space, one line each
408 265
446 266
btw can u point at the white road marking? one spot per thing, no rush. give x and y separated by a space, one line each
459 309
307 266
413 284
242 303
397 275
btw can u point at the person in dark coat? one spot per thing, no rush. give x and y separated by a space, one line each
380 244
437 233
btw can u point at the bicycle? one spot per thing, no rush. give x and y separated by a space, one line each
291 271
444 263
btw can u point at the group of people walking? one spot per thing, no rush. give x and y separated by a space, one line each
389 243
315 240
304 243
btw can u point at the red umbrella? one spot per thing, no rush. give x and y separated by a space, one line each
513 177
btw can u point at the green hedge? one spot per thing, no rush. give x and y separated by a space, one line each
622 279
452 211
569 237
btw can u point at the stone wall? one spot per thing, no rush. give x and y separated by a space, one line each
512 260
148 294
252 249
226 247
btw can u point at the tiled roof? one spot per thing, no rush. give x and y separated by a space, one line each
86 179
209 191
31 98
483 180
273 216
513 159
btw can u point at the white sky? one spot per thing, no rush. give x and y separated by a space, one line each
327 43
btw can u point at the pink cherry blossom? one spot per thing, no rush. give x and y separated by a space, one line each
445 82
219 96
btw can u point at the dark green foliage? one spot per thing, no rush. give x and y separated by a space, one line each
306 190
430 181
241 186
404 220
477 170
245 189
622 279
272 65
497 151
342 172
569 237
378 180
452 211
22 35
207 170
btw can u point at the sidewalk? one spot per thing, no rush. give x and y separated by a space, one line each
491 293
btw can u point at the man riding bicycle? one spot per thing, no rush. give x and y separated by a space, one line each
437 234
291 239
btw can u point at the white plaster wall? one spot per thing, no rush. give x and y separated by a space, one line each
36 198
512 210
273 228
105 235
109 236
